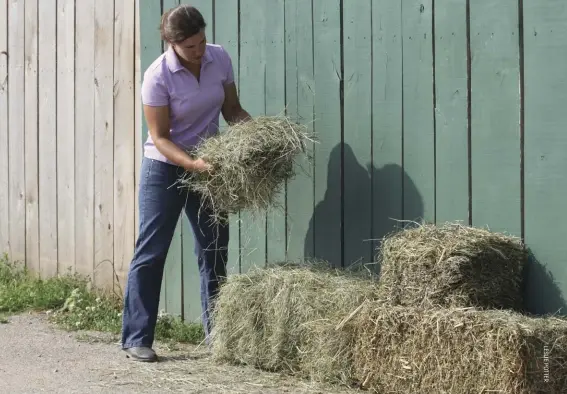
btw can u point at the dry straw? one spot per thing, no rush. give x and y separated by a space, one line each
416 350
251 163
452 265
335 326
285 319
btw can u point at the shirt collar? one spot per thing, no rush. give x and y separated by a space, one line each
175 65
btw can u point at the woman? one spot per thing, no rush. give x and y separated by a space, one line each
183 93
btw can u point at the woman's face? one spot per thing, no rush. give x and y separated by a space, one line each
192 49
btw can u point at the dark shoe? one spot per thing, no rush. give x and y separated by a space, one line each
145 354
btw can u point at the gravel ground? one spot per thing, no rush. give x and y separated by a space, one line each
36 357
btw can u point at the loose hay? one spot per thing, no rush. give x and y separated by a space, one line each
285 319
452 265
414 350
251 163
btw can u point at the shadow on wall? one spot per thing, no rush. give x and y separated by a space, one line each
542 293
324 225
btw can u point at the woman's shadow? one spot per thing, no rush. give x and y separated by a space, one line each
376 201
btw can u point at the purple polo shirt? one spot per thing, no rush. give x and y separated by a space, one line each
194 106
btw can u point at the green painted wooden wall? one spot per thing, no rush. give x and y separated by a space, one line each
439 110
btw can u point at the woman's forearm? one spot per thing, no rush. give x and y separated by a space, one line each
174 154
239 115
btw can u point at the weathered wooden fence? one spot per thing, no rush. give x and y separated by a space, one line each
441 110
68 135
434 109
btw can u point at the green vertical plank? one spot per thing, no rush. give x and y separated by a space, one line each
387 199
419 157
150 14
275 105
495 104
174 260
226 34
190 269
326 221
205 7
253 40
150 43
357 38
452 175
545 56
300 87
169 4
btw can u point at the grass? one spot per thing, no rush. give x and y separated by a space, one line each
72 306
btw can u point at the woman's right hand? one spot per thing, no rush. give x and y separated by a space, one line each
200 165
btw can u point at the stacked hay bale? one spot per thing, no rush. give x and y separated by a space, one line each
292 318
452 265
450 318
451 350
445 315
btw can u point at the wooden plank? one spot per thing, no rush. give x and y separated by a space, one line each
300 87
387 172
253 65
191 306
150 48
226 34
4 179
419 158
190 286
275 105
545 54
137 112
150 42
31 137
16 123
174 272
65 144
357 154
84 137
103 274
48 138
452 172
124 136
206 8
66 135
495 104
174 262
326 225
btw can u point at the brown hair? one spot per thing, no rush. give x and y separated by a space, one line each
180 23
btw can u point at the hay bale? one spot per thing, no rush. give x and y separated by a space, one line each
251 162
415 350
285 319
452 265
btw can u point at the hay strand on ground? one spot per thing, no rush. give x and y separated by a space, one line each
452 265
415 350
285 319
251 163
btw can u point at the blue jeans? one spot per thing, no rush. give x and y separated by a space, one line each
161 203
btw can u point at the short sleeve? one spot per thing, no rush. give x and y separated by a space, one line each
229 71
154 91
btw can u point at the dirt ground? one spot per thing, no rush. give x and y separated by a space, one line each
36 357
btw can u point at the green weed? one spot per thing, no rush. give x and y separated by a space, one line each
72 306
